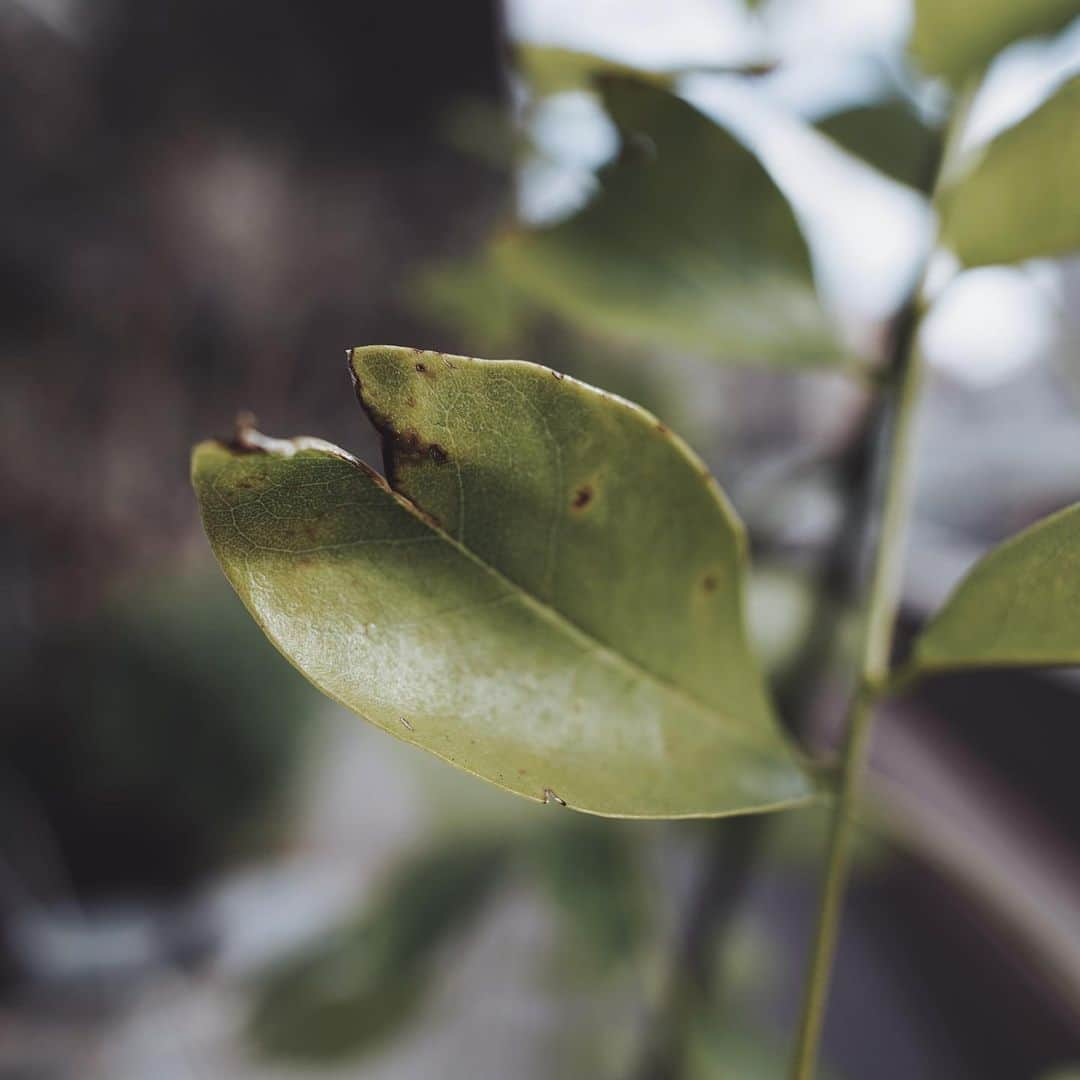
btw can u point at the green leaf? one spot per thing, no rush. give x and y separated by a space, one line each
1020 605
688 244
887 135
1019 199
363 982
957 38
551 598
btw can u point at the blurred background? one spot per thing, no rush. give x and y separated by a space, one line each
209 871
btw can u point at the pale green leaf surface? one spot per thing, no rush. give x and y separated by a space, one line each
1020 605
958 38
887 135
563 613
1021 197
687 244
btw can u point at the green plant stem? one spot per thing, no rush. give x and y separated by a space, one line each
874 667
901 385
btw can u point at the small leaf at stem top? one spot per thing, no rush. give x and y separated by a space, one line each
1019 606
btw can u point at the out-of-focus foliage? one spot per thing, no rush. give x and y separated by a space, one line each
153 760
510 543
688 243
591 872
956 39
1020 605
1019 198
718 1052
551 69
889 135
362 983
471 297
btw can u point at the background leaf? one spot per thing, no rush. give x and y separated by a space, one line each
1018 201
363 982
957 38
1020 605
557 609
591 871
552 69
888 135
661 256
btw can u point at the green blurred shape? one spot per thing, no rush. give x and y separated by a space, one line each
955 39
1020 197
887 135
688 244
552 69
591 872
732 1050
362 983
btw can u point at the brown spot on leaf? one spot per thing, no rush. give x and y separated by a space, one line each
709 583
582 497
558 375
421 368
662 427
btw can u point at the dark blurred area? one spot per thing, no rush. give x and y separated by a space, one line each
204 204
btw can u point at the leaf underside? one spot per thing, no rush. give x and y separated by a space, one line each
549 596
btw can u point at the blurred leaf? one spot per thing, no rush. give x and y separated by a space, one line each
591 871
1020 198
1020 605
887 135
484 130
551 69
558 609
688 244
720 1053
473 299
1067 1072
957 38
363 982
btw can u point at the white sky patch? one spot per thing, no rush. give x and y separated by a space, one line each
652 33
1018 82
866 233
989 325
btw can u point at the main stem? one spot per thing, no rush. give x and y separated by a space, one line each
903 382
873 672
